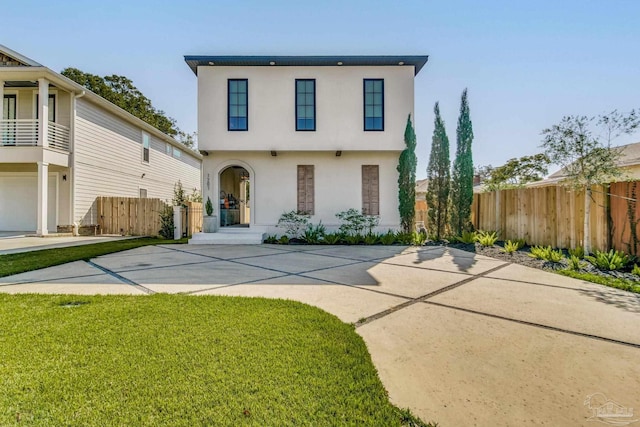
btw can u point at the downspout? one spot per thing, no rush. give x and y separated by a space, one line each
72 169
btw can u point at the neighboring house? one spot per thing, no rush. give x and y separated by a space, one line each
61 146
629 162
318 134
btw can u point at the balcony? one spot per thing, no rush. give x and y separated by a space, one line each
25 132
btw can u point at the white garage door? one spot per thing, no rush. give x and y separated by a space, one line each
18 202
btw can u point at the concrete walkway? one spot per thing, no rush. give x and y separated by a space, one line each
15 242
461 339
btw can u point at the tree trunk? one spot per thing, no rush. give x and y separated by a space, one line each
587 220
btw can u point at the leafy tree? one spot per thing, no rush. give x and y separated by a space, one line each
582 146
517 172
121 91
483 172
462 177
407 178
438 176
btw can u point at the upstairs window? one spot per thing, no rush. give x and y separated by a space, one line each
237 104
373 104
52 107
145 147
177 153
305 104
167 149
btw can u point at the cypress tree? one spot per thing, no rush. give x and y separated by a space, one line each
462 177
438 175
407 178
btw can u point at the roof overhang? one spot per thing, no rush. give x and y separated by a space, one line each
417 61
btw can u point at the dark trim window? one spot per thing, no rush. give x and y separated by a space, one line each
373 104
52 107
238 104
305 104
145 147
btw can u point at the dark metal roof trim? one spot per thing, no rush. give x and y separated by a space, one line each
418 61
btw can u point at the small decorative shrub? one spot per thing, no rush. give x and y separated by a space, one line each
510 247
520 243
487 238
467 237
166 222
371 239
418 239
313 234
577 252
208 207
388 238
332 238
353 239
293 223
546 253
609 261
404 238
271 239
283 240
575 263
355 222
636 270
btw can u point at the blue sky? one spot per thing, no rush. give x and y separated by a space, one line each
526 64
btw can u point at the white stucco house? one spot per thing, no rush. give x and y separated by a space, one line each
319 134
61 146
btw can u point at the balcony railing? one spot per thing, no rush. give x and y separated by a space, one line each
24 133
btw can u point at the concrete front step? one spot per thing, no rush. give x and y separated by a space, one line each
228 237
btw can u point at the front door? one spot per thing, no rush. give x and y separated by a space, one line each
8 125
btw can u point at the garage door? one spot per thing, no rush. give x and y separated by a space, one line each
18 202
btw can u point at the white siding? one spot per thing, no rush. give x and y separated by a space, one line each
108 162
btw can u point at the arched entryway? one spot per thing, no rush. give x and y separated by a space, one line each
235 196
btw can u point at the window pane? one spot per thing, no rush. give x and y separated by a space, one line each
377 123
233 86
377 111
309 112
242 111
377 98
368 86
233 98
377 85
368 111
310 124
310 86
242 86
242 123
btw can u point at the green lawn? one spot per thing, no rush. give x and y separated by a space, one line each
184 361
35 260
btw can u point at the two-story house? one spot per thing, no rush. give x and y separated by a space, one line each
317 134
62 146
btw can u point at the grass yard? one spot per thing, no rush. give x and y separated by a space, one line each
35 260
184 361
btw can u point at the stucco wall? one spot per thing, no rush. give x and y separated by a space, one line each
339 108
338 183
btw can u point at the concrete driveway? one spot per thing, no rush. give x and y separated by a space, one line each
461 339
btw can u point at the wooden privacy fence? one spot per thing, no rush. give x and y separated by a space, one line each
129 216
141 217
554 215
